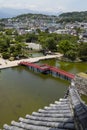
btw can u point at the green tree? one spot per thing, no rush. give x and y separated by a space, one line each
38 30
71 55
9 31
69 49
5 55
83 51
3 45
20 38
64 46
51 44
31 38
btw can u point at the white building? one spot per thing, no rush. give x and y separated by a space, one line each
34 46
62 31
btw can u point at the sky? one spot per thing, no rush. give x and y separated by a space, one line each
46 5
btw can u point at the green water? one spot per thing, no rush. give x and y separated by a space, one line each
67 66
36 54
23 91
70 67
84 98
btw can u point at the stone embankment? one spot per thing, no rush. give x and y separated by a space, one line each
80 81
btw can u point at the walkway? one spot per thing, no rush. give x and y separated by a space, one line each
69 113
7 64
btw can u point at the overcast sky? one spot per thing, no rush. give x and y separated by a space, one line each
46 5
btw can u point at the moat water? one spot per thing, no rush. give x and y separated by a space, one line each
23 91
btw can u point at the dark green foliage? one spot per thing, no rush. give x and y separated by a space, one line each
3 44
71 54
73 16
83 51
31 17
9 31
64 46
20 38
48 41
5 55
31 38
51 44
68 48
10 47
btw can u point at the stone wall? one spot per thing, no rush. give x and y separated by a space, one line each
81 84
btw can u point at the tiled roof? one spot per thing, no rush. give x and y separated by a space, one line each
57 116
79 108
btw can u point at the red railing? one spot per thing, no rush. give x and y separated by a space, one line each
46 67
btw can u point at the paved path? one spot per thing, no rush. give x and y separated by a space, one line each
7 64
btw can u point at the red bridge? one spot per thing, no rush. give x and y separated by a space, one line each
46 69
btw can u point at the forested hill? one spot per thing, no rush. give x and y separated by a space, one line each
64 17
73 16
30 16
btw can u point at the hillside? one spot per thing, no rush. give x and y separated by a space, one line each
41 18
34 17
73 16
64 17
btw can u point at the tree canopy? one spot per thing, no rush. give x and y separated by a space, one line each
13 45
83 51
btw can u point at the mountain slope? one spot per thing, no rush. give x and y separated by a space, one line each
73 16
